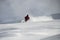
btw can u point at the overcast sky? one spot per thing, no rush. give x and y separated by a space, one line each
17 9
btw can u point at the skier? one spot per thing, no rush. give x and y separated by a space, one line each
27 18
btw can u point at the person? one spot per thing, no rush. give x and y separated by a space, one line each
27 18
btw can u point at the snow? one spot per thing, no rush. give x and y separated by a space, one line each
56 37
40 18
29 30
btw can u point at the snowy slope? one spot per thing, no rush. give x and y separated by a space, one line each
29 30
55 37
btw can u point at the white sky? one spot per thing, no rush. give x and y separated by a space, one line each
17 9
